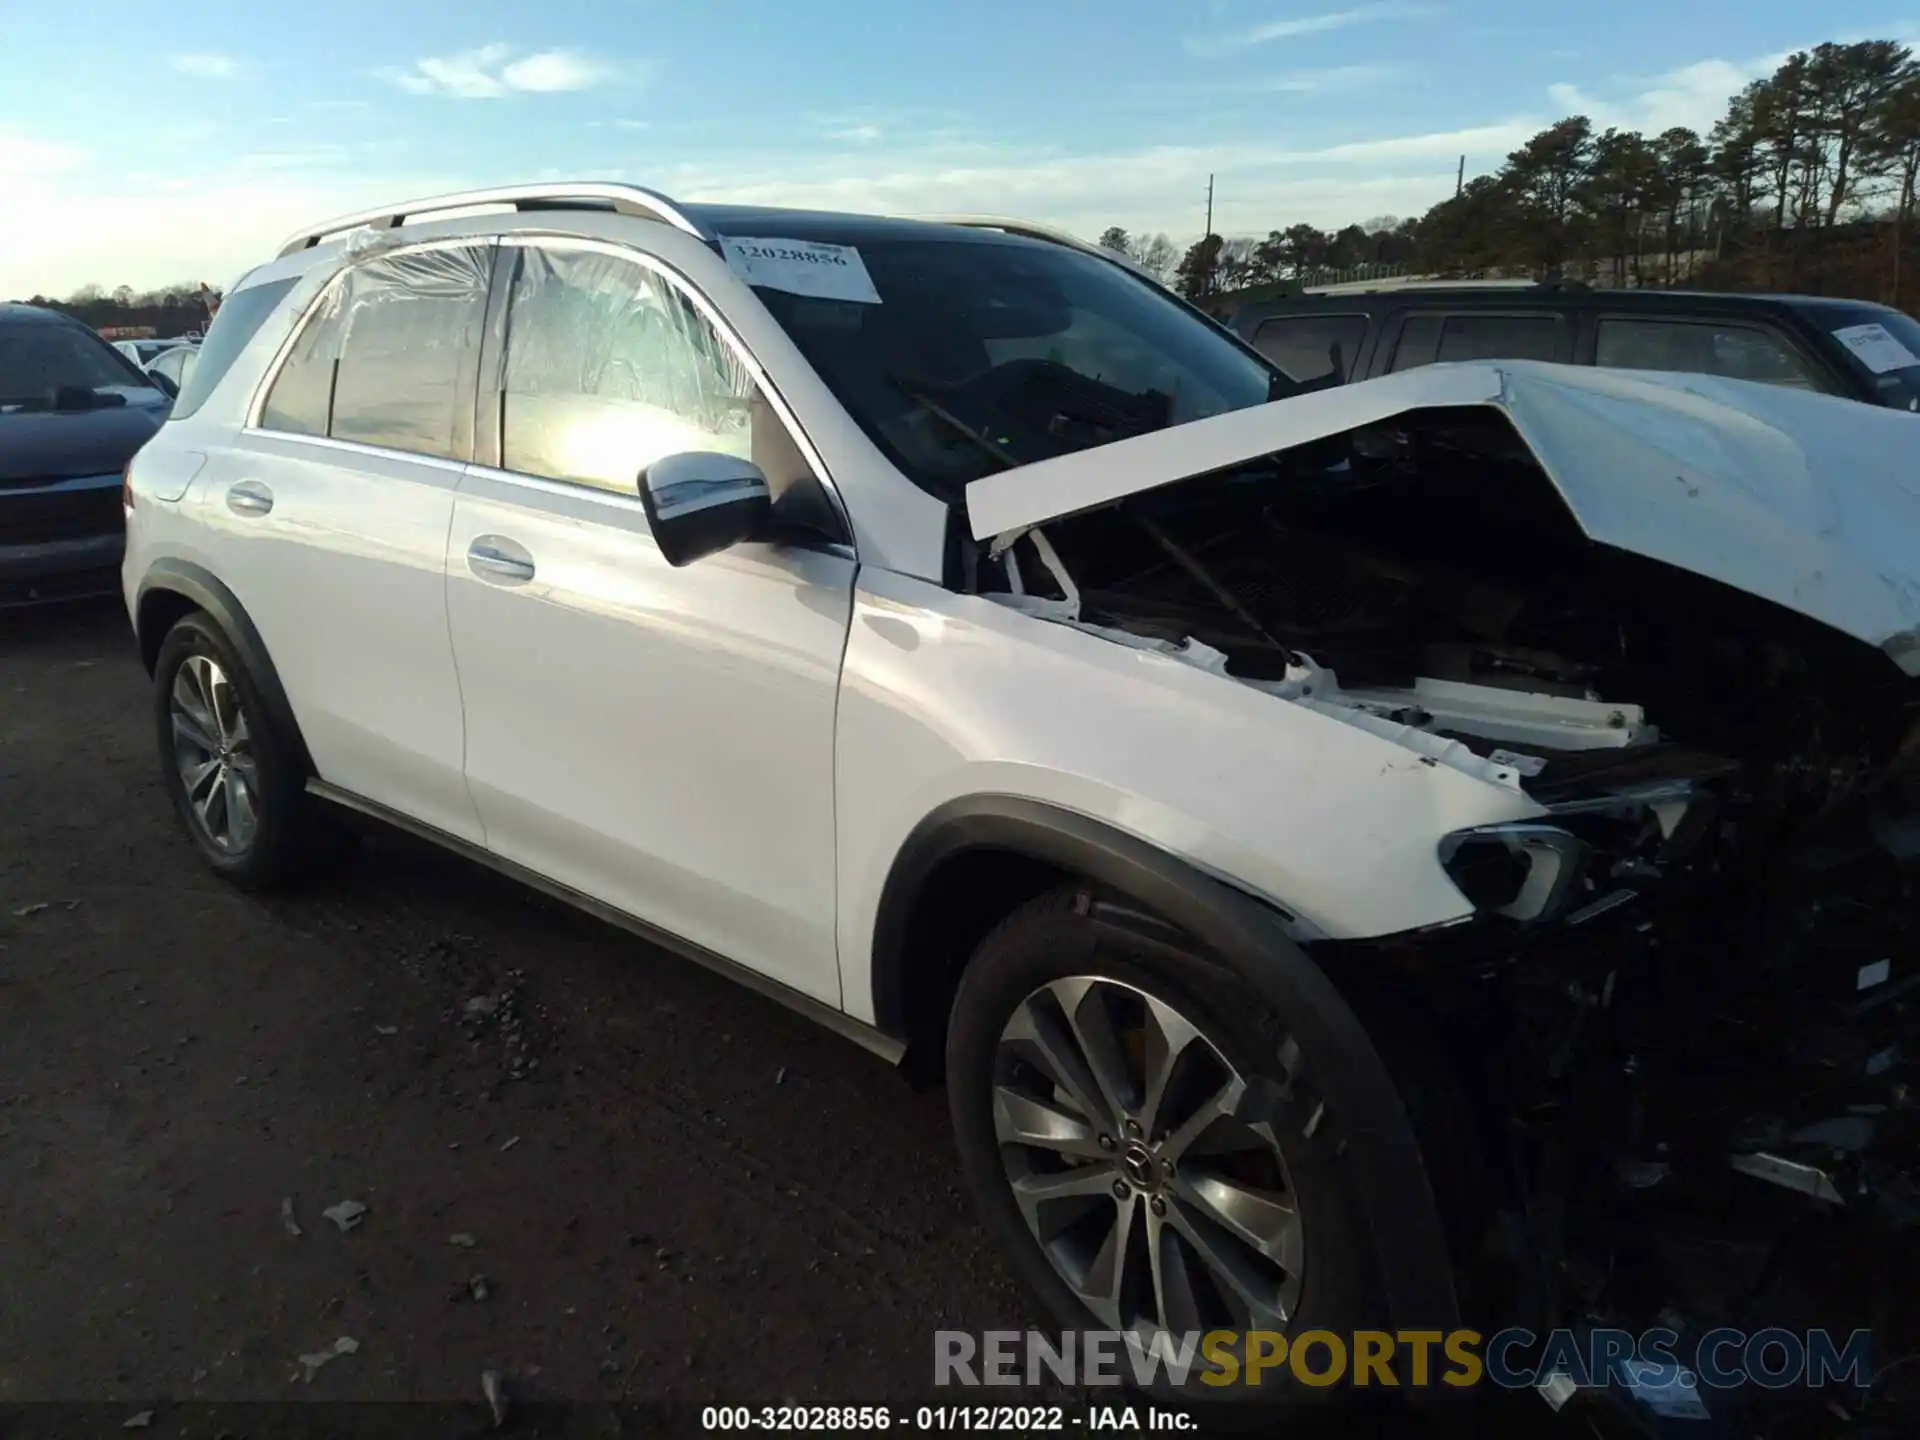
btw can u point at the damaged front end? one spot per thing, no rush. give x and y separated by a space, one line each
1686 1011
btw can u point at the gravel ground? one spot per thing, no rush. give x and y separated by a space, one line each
664 1187
627 1187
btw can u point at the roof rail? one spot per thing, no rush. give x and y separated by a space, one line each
1033 230
549 195
1397 282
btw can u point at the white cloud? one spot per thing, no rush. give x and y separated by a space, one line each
1230 42
1148 188
493 71
1332 80
856 134
554 70
186 226
206 66
1694 96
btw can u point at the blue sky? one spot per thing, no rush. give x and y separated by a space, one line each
150 142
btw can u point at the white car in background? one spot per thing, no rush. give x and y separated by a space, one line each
173 365
142 351
1363 859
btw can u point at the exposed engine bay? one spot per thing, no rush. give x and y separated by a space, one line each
1685 1018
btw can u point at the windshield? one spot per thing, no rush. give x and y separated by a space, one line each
52 367
983 354
1884 346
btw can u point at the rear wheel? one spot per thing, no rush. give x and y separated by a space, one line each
1144 1138
234 778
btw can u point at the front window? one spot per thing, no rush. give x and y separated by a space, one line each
46 366
609 367
1883 345
981 354
1701 347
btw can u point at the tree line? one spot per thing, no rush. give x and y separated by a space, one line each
1806 181
169 310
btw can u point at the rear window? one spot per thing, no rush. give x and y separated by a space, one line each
239 318
388 356
1429 338
1304 345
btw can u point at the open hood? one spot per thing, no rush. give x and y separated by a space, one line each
1805 500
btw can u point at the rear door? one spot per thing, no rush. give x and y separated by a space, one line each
330 523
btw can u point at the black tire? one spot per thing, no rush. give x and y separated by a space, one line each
285 831
1061 935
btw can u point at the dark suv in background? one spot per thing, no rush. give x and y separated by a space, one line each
73 410
1841 347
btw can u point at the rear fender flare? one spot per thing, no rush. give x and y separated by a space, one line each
198 586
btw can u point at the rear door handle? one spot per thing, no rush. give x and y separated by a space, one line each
249 497
494 557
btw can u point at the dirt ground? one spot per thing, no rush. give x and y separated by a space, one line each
674 1189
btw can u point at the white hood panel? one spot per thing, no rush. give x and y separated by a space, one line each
1806 500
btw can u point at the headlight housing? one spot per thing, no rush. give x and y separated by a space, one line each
1523 870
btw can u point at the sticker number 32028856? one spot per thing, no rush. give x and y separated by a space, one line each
802 267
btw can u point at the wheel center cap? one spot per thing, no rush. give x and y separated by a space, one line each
1140 1168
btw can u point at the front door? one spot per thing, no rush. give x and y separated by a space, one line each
660 739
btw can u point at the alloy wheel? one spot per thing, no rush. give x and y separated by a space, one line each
213 750
1144 1164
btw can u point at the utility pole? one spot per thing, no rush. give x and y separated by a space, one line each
1209 205
1460 178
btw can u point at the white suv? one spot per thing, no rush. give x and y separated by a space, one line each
1321 839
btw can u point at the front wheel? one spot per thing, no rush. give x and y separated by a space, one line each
1145 1140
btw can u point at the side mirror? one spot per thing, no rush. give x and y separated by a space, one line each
702 502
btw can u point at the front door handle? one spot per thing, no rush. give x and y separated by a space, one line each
249 497
494 557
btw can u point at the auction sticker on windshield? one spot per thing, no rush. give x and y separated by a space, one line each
801 267
1876 348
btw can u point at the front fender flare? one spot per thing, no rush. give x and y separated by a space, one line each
1402 1216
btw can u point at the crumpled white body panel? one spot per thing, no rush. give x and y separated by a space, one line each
1806 500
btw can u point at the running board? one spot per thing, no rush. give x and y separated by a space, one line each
864 1035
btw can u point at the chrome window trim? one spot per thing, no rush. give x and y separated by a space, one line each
562 489
357 447
722 327
575 490
271 375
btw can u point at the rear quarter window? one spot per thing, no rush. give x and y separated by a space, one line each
238 321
